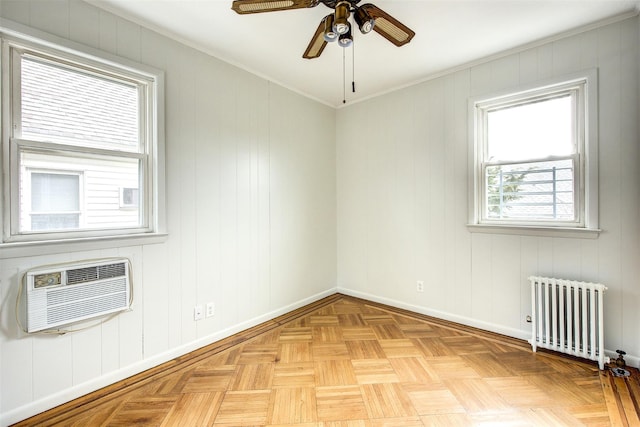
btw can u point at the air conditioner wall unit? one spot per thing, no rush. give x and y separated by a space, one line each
67 293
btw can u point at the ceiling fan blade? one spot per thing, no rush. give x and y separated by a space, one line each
258 6
317 43
388 26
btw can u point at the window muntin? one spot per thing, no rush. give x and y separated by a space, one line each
530 157
70 112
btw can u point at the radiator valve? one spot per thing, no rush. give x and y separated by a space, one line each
620 363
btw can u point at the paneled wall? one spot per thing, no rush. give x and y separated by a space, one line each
251 199
403 194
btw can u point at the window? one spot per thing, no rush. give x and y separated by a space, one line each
81 139
129 198
535 157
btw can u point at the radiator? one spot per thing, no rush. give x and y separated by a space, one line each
567 317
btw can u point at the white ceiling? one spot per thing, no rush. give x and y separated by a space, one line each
449 33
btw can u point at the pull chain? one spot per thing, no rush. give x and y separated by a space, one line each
344 79
353 67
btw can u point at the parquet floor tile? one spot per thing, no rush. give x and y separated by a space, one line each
433 398
365 349
203 380
327 334
350 333
393 348
387 400
338 403
330 351
194 409
413 370
374 371
344 362
258 376
325 320
292 406
300 374
295 352
244 408
296 334
258 353
143 411
487 365
477 396
451 367
519 392
335 372
351 319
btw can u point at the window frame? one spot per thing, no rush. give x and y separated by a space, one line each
583 88
15 41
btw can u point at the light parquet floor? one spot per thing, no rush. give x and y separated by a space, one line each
345 362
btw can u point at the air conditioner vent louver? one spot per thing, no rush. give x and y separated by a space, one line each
82 308
66 295
86 290
81 275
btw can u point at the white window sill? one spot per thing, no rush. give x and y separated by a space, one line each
23 249
580 233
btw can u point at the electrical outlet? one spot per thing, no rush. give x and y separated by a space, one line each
211 309
420 286
197 313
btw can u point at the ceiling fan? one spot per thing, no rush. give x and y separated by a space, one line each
335 26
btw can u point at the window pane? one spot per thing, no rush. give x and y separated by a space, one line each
96 197
73 107
531 131
531 191
54 192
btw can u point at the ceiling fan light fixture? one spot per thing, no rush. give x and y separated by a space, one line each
346 39
329 34
364 20
341 18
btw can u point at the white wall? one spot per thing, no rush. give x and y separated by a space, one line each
251 206
403 195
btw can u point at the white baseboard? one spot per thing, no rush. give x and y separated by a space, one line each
492 327
66 395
